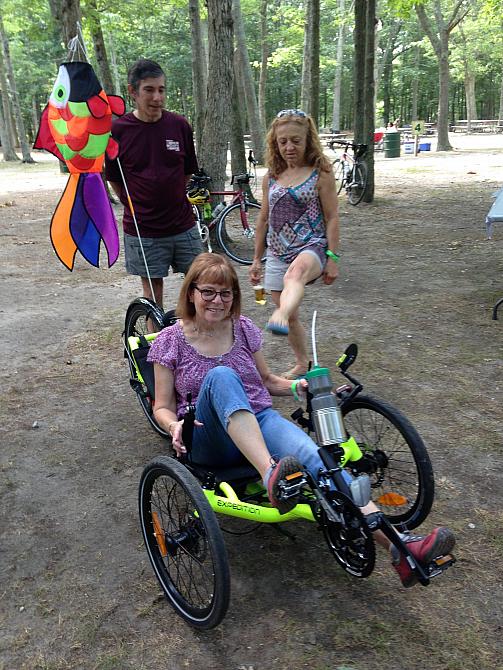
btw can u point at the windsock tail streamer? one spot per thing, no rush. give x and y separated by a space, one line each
82 220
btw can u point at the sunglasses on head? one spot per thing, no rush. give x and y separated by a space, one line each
291 112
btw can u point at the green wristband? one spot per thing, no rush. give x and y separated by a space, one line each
334 257
294 389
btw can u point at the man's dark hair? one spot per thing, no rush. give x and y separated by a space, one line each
143 69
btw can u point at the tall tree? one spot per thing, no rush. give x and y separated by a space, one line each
8 150
264 41
213 150
369 86
9 141
67 15
310 86
341 34
93 18
439 38
15 98
359 70
199 70
256 128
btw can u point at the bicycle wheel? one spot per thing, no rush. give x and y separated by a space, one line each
338 167
395 457
143 317
184 543
349 539
235 240
356 189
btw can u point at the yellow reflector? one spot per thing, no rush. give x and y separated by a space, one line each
159 535
443 559
392 499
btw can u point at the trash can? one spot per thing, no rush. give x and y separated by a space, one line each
392 145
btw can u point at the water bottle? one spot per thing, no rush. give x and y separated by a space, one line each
218 209
326 413
207 215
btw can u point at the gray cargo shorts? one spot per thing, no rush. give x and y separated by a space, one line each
162 253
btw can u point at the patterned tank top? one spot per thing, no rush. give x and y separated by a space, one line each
296 220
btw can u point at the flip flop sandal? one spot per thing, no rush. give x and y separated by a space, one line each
277 329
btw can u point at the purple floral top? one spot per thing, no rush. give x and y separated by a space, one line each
171 349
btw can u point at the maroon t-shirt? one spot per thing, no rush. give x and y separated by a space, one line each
156 159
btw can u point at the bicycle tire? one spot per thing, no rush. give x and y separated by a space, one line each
184 543
398 459
356 189
350 540
233 239
338 167
139 311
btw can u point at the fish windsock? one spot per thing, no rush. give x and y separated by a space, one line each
75 127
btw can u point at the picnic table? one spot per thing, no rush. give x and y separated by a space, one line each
478 126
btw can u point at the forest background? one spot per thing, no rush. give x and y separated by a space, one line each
232 64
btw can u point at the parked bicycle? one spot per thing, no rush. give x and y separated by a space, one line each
233 223
351 171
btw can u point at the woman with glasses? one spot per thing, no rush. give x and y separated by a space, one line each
214 353
299 219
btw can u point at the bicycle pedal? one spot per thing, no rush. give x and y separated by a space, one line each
440 564
291 485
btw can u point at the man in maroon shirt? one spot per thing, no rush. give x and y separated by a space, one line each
156 153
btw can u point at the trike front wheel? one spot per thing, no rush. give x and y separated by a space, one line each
395 457
184 543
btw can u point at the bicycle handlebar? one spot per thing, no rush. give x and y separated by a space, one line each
358 149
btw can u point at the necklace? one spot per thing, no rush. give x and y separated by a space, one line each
205 333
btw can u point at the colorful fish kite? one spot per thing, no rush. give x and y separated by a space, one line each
75 127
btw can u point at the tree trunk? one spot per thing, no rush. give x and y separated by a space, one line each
216 131
257 131
263 63
305 85
8 150
359 70
369 91
310 89
336 110
100 51
25 150
113 63
443 143
238 151
415 83
199 70
500 113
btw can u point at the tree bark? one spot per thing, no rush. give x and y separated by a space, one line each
341 33
100 51
238 152
25 151
257 131
369 91
310 86
216 131
263 63
7 138
199 70
415 83
8 150
359 70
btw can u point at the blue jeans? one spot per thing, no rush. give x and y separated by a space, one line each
222 393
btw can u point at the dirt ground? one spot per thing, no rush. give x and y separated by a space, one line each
417 287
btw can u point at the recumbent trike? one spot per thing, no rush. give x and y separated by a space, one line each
178 500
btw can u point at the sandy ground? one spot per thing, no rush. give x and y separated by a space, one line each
417 286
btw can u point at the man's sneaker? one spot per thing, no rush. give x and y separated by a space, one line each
281 470
424 549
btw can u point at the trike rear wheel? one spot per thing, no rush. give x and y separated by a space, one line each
143 317
184 543
395 457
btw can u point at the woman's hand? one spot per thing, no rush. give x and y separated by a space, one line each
255 273
175 429
331 272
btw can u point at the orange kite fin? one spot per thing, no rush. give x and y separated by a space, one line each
61 237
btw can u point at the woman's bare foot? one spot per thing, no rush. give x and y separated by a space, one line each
295 372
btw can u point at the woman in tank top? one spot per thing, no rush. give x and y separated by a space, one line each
299 221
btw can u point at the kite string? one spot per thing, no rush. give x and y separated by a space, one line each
77 46
130 203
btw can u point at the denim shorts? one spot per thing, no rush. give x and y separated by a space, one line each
162 253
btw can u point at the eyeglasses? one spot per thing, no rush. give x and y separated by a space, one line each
208 294
291 112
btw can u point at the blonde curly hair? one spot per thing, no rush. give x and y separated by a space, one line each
314 151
